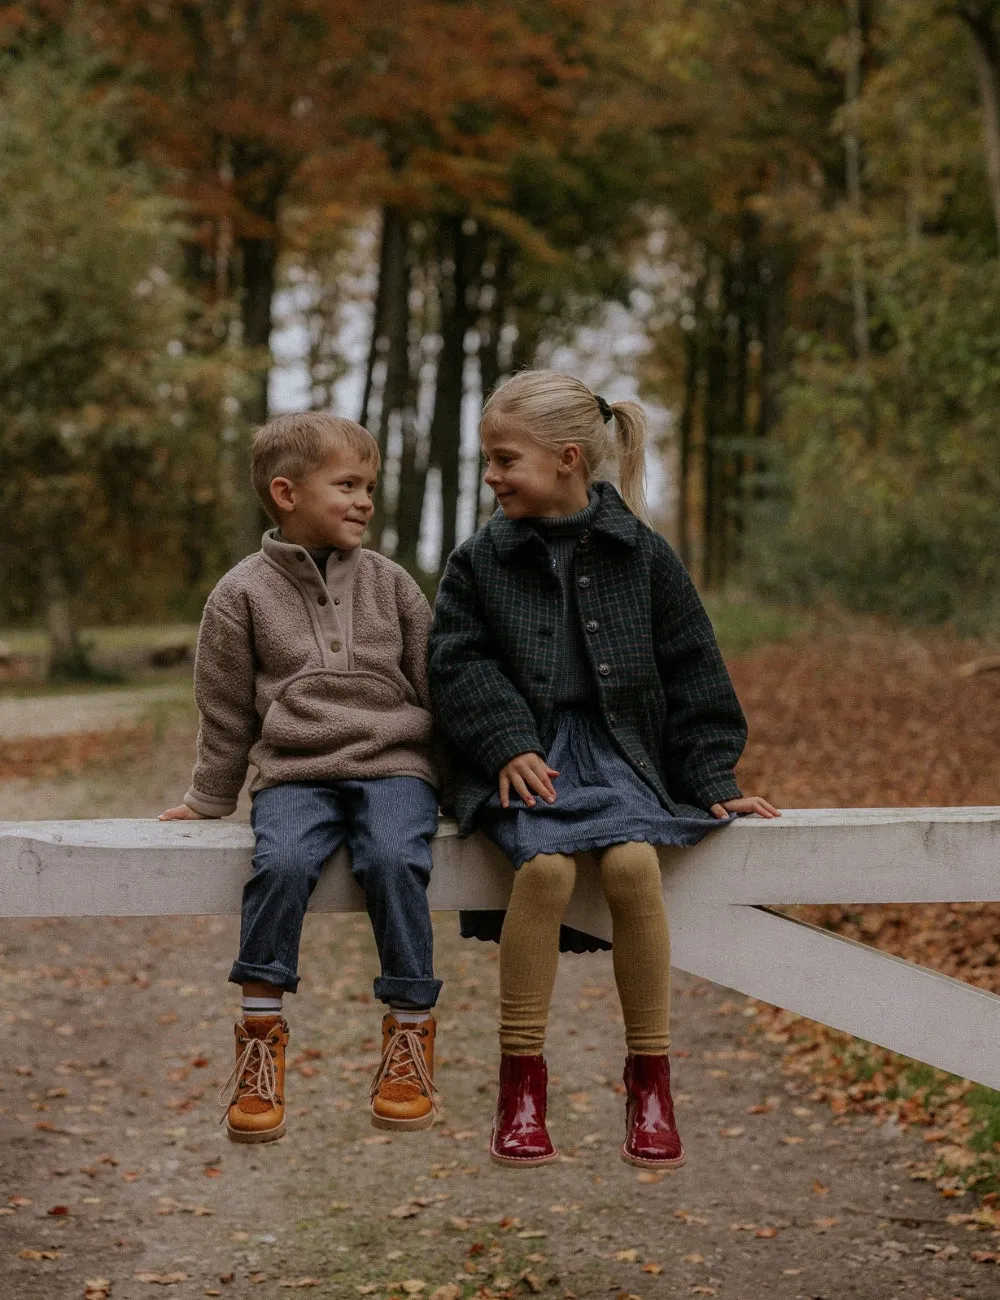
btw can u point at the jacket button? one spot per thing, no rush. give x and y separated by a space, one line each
321 600
612 718
583 582
592 625
300 555
335 646
642 762
336 600
604 670
585 539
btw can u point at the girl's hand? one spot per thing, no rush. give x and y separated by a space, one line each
751 803
525 773
182 814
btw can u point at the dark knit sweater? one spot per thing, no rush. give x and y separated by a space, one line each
573 679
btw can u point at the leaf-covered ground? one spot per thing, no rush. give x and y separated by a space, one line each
875 716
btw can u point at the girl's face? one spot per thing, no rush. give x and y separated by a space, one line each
532 481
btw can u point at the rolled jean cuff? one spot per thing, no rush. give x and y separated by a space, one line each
414 992
280 976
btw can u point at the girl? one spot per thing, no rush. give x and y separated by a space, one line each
575 674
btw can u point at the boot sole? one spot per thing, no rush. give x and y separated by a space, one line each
514 1162
640 1163
403 1125
262 1135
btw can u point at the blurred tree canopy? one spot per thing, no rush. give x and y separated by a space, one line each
800 202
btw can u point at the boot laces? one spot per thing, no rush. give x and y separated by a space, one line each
403 1062
255 1067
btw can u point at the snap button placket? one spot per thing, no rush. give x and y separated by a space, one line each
592 625
322 600
604 670
583 582
335 646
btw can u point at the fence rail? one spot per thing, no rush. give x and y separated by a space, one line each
720 897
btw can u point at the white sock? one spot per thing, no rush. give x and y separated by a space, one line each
260 1006
410 1015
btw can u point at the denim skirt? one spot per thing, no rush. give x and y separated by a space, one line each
600 801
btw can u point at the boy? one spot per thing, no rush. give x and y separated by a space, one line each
312 667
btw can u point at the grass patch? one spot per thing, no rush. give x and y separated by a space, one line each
142 636
743 625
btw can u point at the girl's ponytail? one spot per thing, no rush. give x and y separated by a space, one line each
633 430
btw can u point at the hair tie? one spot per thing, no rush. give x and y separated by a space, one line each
605 410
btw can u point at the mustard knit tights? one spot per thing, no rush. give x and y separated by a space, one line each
529 947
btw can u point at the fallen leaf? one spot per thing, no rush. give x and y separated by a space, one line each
160 1279
819 1189
629 1256
650 1267
414 1285
735 1132
299 1281
766 1233
408 1210
792 1141
980 1256
693 1258
650 1176
27 1253
450 1291
533 1282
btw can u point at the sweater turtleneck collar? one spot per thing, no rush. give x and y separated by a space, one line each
568 525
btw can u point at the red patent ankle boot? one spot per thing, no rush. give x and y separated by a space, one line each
651 1136
519 1134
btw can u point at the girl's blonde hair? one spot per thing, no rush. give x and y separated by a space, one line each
555 409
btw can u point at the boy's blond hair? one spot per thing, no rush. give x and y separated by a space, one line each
554 408
292 446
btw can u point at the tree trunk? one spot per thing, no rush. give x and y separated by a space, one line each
67 657
457 318
986 57
378 314
715 529
685 436
394 285
852 150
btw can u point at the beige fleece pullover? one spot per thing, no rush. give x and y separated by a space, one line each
310 679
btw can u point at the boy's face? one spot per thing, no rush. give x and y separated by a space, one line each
330 506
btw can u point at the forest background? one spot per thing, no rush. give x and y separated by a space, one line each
779 221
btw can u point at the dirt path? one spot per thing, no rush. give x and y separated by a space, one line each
61 715
111 1159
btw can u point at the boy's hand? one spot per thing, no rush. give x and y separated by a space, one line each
751 803
525 773
182 813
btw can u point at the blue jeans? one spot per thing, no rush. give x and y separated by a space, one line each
387 825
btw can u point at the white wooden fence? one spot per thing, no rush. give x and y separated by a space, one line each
719 897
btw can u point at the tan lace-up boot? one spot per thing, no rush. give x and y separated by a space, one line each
402 1092
254 1093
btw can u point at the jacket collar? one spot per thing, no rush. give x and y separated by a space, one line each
613 519
291 559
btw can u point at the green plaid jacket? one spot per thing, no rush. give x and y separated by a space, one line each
663 690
